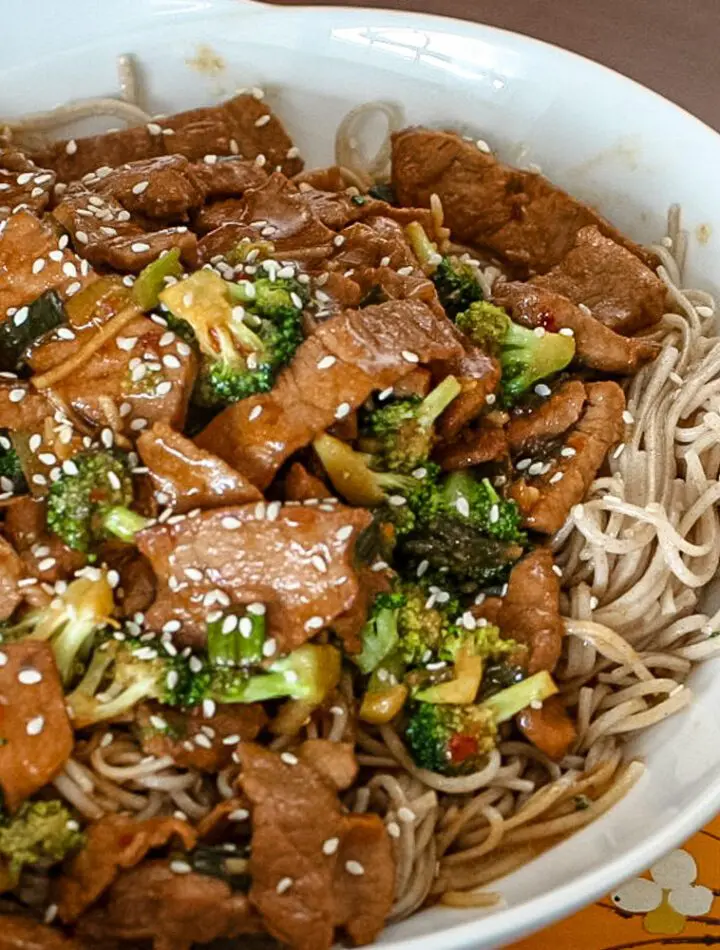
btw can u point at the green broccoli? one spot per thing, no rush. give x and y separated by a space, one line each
70 622
526 356
123 673
12 477
150 282
480 505
245 332
309 673
403 431
39 833
83 503
453 740
236 640
454 279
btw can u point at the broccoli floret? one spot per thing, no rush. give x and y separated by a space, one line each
70 622
451 740
92 483
245 332
457 553
12 477
236 640
479 504
151 279
526 356
380 634
40 833
309 673
122 673
454 279
403 431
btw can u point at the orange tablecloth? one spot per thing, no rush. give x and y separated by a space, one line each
675 904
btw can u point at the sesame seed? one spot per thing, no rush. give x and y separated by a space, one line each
463 507
73 288
29 677
260 160
255 413
269 647
257 610
393 829
344 409
208 708
107 437
319 563
140 187
202 741
289 759
38 265
483 146
536 468
71 147
410 357
338 240
162 389
21 315
47 458
397 501
139 246
542 389
557 570
284 884
539 331
180 867
65 333
314 623
24 178
619 451
354 868
82 237
326 362
157 722
557 477
330 846
126 343
566 331
405 271
137 424
628 417
568 452
494 514
406 815
35 726
263 120
344 533
69 269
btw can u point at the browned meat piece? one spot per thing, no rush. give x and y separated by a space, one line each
112 844
159 188
24 933
147 373
338 209
348 626
479 376
322 179
310 878
27 268
130 254
378 242
474 447
189 477
334 761
530 611
215 215
136 590
195 740
622 292
175 911
386 283
23 184
517 214
550 419
218 824
546 501
596 345
417 383
333 372
26 414
44 556
276 212
11 570
300 485
257 553
237 127
91 220
230 176
550 728
34 724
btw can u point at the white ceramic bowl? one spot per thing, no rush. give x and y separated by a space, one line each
600 136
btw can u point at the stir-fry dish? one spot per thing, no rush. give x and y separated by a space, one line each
352 519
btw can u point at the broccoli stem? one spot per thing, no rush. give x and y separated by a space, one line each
508 702
437 401
379 638
124 523
236 640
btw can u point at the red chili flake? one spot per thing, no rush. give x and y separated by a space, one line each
462 748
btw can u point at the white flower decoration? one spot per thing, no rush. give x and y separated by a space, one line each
671 891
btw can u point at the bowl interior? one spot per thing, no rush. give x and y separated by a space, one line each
602 137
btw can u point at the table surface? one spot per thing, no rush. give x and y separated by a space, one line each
669 45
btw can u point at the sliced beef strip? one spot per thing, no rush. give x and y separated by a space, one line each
371 348
112 844
177 738
546 501
156 188
175 911
132 254
279 213
25 414
188 476
518 215
301 485
25 241
330 178
26 528
338 209
23 184
24 933
229 176
34 724
11 570
479 377
617 286
334 761
553 417
474 447
530 611
256 553
228 129
596 346
550 728
147 373
378 242
323 895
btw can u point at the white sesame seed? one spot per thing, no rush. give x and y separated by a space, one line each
410 357
557 570
284 884
566 331
162 389
256 609
208 708
628 417
568 452
406 815
73 288
314 623
69 269
269 647
344 409
202 741
35 726
326 362
38 265
140 187
557 477
263 120
539 331
397 501
29 677
354 868
255 413
82 237
139 246
393 829
47 564
463 507
344 533
126 343
536 468
71 147
542 389
180 867
47 458
260 160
